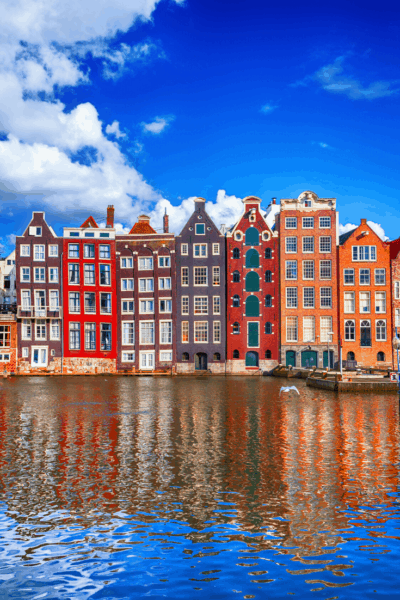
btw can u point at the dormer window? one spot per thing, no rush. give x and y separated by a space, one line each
307 203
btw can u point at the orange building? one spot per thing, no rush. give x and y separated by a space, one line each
365 297
8 339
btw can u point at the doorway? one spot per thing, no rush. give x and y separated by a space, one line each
309 358
290 358
200 361
325 359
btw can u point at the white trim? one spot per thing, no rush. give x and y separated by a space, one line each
44 364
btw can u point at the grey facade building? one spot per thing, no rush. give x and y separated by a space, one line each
201 289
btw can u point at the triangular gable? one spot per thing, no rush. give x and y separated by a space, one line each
142 227
90 222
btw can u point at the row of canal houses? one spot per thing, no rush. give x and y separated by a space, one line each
229 300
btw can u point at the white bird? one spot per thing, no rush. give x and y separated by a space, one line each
289 388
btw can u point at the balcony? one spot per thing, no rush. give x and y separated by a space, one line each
39 312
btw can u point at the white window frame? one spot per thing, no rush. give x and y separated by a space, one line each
350 299
165 258
147 310
306 264
164 300
127 284
216 276
200 299
348 338
53 250
344 276
36 252
184 276
384 303
369 276
372 250
288 242
201 247
89 312
217 332
127 259
170 332
185 249
25 324
52 322
322 242
185 305
25 250
142 260
368 295
127 312
185 328
42 271
148 287
325 226
197 225
40 348
142 343
287 220
322 306
287 270
308 248
21 276
308 290
165 351
304 222
324 331
125 355
383 339
325 266
51 278
384 276
36 325
306 325
202 324
205 269
131 333
216 305
215 249
295 297
162 283
147 353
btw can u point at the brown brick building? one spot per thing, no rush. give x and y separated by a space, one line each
395 289
308 234
365 297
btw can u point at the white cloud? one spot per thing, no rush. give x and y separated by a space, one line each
377 227
11 237
324 145
113 129
158 125
268 108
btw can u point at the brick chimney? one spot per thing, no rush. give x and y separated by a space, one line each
166 222
363 221
273 200
110 216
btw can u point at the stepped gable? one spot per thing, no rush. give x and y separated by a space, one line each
90 222
142 226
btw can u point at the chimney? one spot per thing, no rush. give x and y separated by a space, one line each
166 222
363 221
273 200
110 216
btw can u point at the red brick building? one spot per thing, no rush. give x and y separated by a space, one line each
146 289
365 297
395 289
308 230
89 297
8 340
252 258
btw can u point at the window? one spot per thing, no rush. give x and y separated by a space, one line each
127 284
128 333
365 329
185 275
307 202
236 354
201 305
105 336
365 277
164 261
105 303
25 250
325 269
216 276
25 352
397 317
200 229
291 269
200 275
128 357
26 299
39 252
146 285
268 276
146 332
127 306
166 356
308 244
236 253
166 305
215 249
146 360
216 305
238 236
185 332
380 357
200 250
308 297
236 327
236 277
5 334
365 302
252 237
364 253
39 274
40 303
74 302
88 250
145 264
380 276
349 302
201 331
268 328
268 354
164 283
308 222
26 329
146 306
74 336
268 253
104 251
291 297
73 250
291 222
89 274
185 356
252 259
268 300
53 250
126 263
55 329
325 329
381 331
74 233
165 332
53 274
185 305
397 290
326 297
291 244
308 269
325 244
324 222
105 275
185 249
380 302
350 331
217 332
216 356
90 302
54 300
236 301
25 274
308 329
348 275
291 329
73 273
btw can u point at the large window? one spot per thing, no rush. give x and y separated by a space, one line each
308 297
54 300
308 244
350 331
105 274
90 336
365 302
381 331
200 250
201 305
25 250
74 302
5 336
308 222
364 253
325 244
325 222
380 276
105 303
325 329
291 329
164 283
146 332
146 285
291 244
89 274
105 336
88 250
90 302
308 329
53 274
104 251
380 302
348 275
349 302
365 278
165 332
38 252
73 250
128 333
291 297
26 299
365 330
325 269
200 275
74 336
73 273
201 331
145 263
39 274
291 222
326 297
146 306
291 269
128 284
308 269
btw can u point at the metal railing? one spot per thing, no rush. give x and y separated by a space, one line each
39 312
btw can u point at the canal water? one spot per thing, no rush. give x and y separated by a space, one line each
205 487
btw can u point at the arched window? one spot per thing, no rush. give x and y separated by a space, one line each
236 327
381 331
236 354
252 259
236 301
380 356
252 237
268 327
350 330
252 282
268 253
236 276
268 354
351 356
217 356
268 300
185 357
268 276
252 306
236 253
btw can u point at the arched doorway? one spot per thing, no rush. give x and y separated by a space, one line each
200 361
251 359
290 358
309 359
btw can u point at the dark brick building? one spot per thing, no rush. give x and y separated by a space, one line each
201 312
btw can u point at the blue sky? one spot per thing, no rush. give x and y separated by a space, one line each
147 104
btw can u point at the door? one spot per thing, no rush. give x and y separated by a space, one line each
147 360
253 335
325 359
290 358
309 359
39 356
200 361
252 359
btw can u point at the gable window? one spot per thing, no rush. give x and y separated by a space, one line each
200 229
364 253
74 336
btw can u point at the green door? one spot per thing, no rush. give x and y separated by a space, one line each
252 282
252 306
251 359
253 330
252 237
325 359
252 259
309 359
290 358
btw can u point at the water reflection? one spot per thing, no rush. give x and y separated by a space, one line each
121 487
